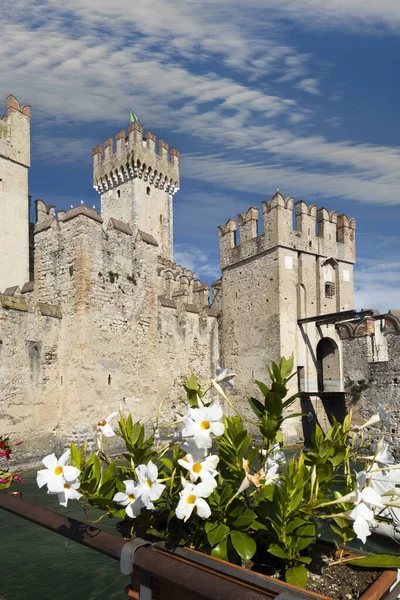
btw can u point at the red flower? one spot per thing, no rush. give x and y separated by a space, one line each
6 453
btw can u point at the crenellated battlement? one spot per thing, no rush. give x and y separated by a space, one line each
180 284
15 132
135 156
316 231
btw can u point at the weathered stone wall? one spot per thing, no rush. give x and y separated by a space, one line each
123 335
14 201
371 371
272 279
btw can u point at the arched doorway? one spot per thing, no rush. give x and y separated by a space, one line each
328 377
328 366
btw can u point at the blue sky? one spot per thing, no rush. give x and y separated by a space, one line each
300 95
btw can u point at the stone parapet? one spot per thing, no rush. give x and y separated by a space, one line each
135 157
317 231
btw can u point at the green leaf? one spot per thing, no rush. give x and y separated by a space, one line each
221 551
294 524
245 518
304 559
262 387
279 388
273 404
76 457
244 545
297 576
276 550
257 407
217 534
383 561
225 494
290 400
277 376
167 463
257 526
303 542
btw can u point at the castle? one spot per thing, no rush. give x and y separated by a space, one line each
94 311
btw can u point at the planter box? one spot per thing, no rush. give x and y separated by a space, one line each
249 584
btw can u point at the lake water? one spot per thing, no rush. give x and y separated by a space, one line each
39 564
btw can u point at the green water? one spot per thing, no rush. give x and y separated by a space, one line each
39 564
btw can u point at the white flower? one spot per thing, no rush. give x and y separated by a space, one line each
148 489
192 497
201 423
205 469
104 427
384 457
384 415
190 447
276 457
224 376
365 498
130 499
69 493
57 473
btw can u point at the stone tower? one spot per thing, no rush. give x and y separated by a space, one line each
14 200
137 184
273 280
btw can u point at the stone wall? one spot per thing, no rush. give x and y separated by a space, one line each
300 266
117 332
14 201
371 358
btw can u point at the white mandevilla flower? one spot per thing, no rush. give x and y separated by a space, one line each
200 467
384 457
224 376
57 473
383 415
201 423
70 492
362 513
276 457
104 427
130 499
148 489
192 498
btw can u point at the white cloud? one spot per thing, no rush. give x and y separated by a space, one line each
90 61
195 259
260 178
309 85
377 284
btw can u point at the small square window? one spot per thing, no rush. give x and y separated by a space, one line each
329 289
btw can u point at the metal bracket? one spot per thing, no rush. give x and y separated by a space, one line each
128 552
126 563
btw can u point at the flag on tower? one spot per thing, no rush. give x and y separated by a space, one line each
134 118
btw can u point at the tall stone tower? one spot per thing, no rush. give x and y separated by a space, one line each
14 200
137 184
273 281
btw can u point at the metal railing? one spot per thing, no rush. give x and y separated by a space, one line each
192 575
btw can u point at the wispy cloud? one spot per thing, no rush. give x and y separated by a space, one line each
377 284
197 260
309 85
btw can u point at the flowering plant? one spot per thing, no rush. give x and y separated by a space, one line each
6 475
217 488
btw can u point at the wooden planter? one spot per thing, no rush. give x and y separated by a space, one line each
215 576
